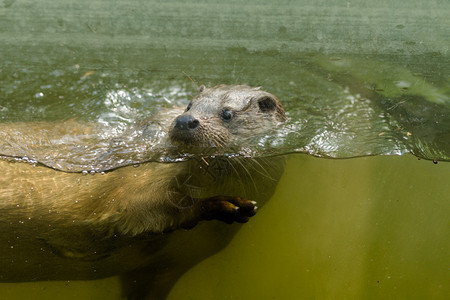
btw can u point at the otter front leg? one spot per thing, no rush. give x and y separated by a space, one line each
228 209
223 208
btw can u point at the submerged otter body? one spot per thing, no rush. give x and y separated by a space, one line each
132 221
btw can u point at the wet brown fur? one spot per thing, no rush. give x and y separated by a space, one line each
60 226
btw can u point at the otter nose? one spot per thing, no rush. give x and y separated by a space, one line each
186 122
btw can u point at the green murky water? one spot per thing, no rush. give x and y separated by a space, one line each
356 79
364 228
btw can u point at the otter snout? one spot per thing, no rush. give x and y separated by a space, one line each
186 122
184 130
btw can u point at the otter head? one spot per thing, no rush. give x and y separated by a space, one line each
226 116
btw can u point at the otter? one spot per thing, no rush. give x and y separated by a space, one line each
146 224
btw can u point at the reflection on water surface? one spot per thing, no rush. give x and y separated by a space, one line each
330 114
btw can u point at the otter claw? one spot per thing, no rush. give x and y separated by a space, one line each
228 209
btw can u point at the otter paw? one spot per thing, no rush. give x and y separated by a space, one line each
228 209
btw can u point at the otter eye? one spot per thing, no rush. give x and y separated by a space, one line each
226 114
189 106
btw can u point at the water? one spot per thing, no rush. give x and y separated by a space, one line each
356 78
371 96
330 114
366 228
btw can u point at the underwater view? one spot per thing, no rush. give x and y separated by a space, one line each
362 208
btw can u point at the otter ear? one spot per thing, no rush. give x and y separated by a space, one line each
201 89
267 104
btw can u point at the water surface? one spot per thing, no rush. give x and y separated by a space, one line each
348 89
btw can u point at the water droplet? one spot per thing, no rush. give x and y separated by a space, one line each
92 172
39 95
84 172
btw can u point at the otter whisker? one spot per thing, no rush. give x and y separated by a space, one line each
264 172
239 161
238 174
